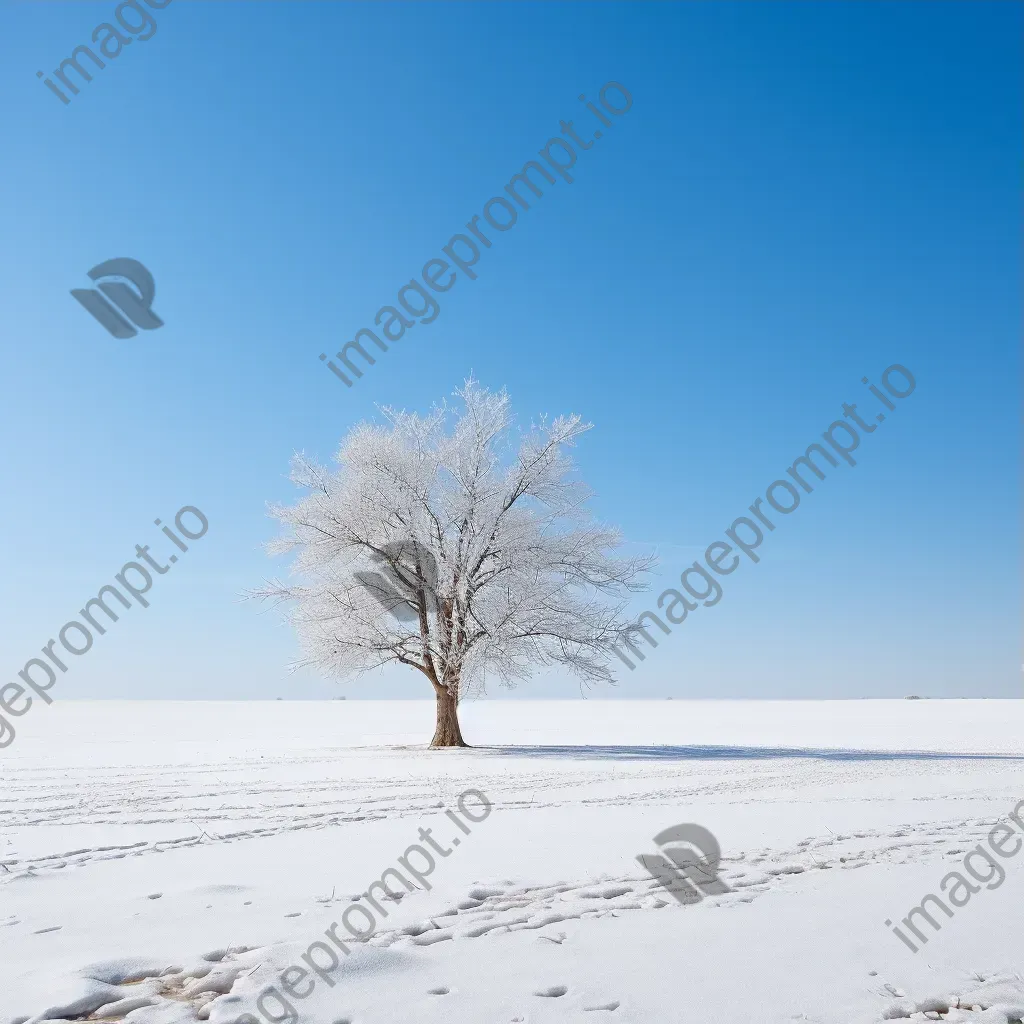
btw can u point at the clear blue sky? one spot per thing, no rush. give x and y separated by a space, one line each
800 196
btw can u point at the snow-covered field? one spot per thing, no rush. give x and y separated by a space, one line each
177 857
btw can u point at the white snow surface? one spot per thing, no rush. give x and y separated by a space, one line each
164 862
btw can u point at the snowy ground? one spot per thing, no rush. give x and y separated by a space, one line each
177 857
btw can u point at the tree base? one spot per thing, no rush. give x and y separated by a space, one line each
447 733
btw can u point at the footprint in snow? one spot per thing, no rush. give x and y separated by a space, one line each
613 1005
439 991
483 894
554 992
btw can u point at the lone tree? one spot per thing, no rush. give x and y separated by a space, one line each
456 544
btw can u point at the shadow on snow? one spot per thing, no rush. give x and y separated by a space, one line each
712 752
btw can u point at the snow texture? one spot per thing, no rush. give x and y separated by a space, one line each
257 824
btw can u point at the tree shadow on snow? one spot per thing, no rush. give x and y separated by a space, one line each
598 752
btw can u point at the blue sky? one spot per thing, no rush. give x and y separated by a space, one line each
800 196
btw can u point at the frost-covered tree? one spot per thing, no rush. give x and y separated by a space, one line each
493 564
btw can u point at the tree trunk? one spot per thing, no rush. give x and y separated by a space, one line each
447 733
